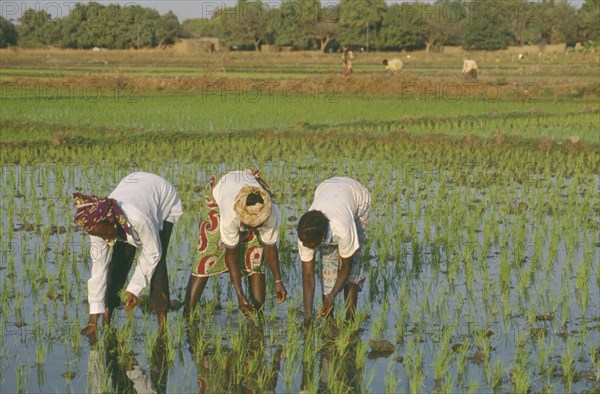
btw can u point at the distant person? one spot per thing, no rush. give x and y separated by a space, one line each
347 57
335 225
469 70
138 214
394 65
238 233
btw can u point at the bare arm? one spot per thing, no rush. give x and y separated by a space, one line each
272 259
236 279
308 285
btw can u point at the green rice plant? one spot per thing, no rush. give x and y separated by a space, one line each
565 296
461 360
494 373
380 324
521 378
413 364
361 353
41 353
74 339
581 282
240 352
473 386
595 359
442 358
544 350
567 361
21 377
391 378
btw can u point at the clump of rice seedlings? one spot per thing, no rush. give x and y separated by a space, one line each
443 357
545 347
494 373
473 386
21 371
567 361
391 377
41 353
291 352
520 373
380 324
581 282
413 362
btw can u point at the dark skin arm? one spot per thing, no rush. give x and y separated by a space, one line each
308 287
272 259
236 279
342 277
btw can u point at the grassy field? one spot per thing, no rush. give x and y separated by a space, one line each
483 242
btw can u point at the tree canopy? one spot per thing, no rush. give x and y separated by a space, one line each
315 24
8 33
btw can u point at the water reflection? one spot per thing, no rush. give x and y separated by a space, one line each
335 370
238 365
112 367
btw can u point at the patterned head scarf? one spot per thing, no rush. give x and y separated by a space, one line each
257 214
91 210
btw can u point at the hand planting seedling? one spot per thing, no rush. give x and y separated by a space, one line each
238 235
335 224
118 225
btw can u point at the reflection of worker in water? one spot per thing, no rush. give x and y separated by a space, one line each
122 370
334 368
218 374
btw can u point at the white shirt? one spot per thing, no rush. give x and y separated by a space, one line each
469 65
343 201
225 193
146 200
394 65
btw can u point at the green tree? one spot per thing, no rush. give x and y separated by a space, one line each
8 33
360 22
589 20
402 27
292 20
92 24
246 24
441 22
139 31
324 30
167 29
304 24
31 28
557 23
486 26
200 27
522 17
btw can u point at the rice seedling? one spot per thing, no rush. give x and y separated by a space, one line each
567 361
391 378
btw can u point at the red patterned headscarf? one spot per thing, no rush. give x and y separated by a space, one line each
91 210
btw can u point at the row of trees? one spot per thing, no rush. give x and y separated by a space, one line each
373 24
93 25
309 24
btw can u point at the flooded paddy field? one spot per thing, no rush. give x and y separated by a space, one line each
482 248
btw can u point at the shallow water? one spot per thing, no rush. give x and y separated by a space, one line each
434 283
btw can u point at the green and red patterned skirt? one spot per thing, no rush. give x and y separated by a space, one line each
211 250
